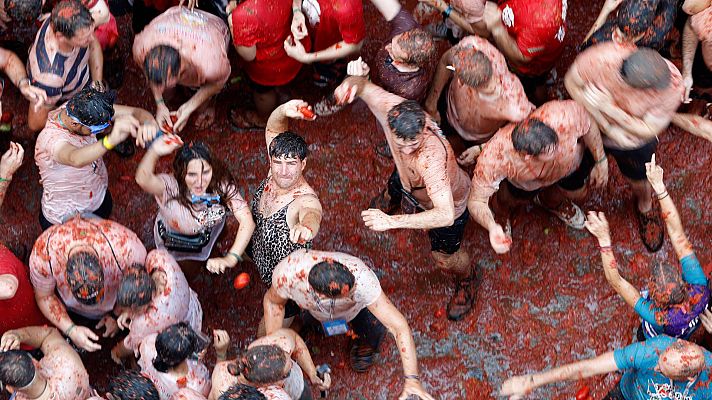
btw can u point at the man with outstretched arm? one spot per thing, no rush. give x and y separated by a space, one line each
339 291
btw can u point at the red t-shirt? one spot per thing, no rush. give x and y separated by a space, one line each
21 310
334 21
266 24
539 27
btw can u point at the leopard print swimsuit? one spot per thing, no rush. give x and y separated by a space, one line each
270 241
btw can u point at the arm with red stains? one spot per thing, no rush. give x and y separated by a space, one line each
689 48
310 214
575 85
32 336
15 70
597 224
679 240
696 125
296 50
96 60
9 163
594 143
523 385
303 357
608 7
397 325
246 225
273 305
440 80
278 121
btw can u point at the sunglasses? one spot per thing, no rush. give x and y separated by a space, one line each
94 129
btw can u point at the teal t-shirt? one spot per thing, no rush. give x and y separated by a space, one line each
641 382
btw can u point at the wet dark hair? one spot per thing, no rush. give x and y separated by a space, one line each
23 10
406 119
419 45
532 136
160 63
16 368
635 17
331 279
85 277
646 69
92 107
70 16
242 392
131 385
221 183
472 66
264 364
175 344
289 145
667 288
135 288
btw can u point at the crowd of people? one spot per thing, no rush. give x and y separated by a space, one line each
89 275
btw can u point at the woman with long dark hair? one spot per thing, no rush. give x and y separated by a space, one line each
194 202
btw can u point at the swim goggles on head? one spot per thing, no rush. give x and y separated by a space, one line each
94 129
207 199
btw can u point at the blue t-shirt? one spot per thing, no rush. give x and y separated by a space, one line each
680 321
640 381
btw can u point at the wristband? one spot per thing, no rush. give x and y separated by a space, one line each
296 10
662 195
447 12
5 180
237 256
19 83
160 101
412 377
69 330
605 248
604 158
106 144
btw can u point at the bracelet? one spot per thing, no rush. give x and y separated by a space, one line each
662 195
237 256
296 10
412 377
106 144
605 248
5 180
604 158
479 146
69 330
160 101
19 83
447 12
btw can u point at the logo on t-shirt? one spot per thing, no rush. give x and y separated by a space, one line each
666 391
508 16
560 34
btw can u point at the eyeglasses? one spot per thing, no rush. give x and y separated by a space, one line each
94 129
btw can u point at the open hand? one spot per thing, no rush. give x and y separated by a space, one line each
84 338
124 320
295 49
110 324
597 224
469 156
517 387
166 144
10 341
300 234
218 265
11 160
377 220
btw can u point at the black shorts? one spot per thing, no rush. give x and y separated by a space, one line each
572 182
632 162
701 75
447 240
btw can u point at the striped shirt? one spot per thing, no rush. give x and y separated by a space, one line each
60 75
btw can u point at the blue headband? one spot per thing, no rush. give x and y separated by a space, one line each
94 129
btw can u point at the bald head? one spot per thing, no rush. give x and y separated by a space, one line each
646 69
682 360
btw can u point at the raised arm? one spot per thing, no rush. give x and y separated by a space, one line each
679 240
689 48
608 7
278 121
519 386
442 77
597 224
32 336
9 163
145 172
273 305
78 157
397 325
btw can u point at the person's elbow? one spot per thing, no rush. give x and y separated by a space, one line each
446 217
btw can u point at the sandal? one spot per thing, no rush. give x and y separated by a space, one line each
463 299
244 120
362 356
651 228
567 211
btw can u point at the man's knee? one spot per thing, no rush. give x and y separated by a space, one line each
454 261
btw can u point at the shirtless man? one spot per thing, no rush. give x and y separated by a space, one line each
246 392
59 375
129 385
557 144
188 48
286 210
428 177
277 359
337 289
482 97
63 59
659 368
632 94
77 266
697 46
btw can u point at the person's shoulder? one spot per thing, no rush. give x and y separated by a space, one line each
291 265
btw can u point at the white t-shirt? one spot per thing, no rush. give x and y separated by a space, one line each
291 280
